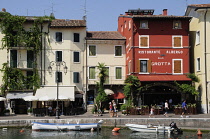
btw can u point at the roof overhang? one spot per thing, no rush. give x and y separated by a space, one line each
163 78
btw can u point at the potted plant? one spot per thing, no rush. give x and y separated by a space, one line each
6 112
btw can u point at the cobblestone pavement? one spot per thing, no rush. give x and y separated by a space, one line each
106 115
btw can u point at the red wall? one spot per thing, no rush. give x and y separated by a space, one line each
160 40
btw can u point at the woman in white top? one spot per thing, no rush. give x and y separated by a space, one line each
166 109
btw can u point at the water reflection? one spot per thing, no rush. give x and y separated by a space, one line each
105 133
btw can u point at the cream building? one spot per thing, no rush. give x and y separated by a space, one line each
59 64
106 47
200 46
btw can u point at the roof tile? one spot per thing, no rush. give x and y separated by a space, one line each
104 35
62 23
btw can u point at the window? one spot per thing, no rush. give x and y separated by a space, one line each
92 50
118 50
107 78
13 58
76 37
125 24
144 41
30 59
129 26
143 24
58 77
129 67
58 56
92 73
143 66
76 77
197 37
76 57
118 73
58 36
177 41
177 66
177 24
198 64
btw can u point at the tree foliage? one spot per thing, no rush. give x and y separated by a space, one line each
15 35
132 87
101 95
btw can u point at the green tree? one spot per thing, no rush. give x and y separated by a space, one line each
131 88
101 95
189 88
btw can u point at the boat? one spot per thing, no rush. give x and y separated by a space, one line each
149 128
38 126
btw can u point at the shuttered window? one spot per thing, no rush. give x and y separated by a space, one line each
118 73
143 66
177 41
76 57
177 66
13 58
92 73
144 41
58 36
76 37
76 77
58 77
58 56
92 50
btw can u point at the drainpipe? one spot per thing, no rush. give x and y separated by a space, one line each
86 78
133 52
207 105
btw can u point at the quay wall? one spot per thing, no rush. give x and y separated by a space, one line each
115 122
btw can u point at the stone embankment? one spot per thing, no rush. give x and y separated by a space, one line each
187 123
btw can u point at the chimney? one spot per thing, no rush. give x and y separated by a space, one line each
3 10
165 12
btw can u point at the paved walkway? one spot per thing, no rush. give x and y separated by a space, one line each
106 115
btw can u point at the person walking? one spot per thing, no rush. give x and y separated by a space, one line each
166 109
114 108
184 108
111 109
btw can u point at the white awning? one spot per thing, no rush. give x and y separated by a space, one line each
51 92
18 95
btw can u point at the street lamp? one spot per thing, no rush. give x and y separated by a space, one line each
58 64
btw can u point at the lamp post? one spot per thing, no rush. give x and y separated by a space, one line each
58 64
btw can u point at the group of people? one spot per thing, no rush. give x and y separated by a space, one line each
113 109
166 108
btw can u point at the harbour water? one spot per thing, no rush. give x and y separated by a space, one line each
105 133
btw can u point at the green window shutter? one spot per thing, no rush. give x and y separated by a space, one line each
92 73
76 77
118 73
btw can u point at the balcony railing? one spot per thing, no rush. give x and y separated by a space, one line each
110 80
22 64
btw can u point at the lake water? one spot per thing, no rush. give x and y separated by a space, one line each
105 133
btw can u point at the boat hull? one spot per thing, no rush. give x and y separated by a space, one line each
146 128
37 126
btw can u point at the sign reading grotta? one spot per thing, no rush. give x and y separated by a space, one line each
161 52
161 63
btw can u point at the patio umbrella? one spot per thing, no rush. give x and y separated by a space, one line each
2 99
118 95
108 91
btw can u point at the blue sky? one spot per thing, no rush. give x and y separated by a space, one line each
102 15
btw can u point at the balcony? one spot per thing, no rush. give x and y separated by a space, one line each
111 80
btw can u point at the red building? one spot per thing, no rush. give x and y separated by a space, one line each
157 49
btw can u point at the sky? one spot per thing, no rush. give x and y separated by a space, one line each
102 15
